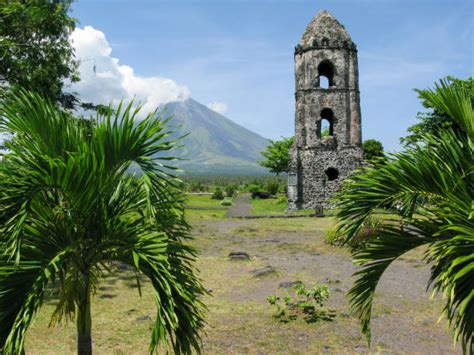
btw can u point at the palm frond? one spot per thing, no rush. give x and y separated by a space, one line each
432 184
70 204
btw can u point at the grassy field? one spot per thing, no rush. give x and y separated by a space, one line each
276 205
240 320
203 201
273 206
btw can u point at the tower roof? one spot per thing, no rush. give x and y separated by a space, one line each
325 30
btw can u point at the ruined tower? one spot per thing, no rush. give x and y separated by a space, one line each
327 116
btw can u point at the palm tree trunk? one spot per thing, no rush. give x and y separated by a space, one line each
84 321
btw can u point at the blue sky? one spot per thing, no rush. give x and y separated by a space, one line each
238 54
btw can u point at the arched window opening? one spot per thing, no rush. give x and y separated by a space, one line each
326 74
332 174
327 123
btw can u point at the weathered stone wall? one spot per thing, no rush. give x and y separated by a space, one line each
314 188
324 41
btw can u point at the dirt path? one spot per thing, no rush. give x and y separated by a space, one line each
404 317
241 207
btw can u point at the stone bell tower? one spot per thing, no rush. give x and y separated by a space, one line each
327 118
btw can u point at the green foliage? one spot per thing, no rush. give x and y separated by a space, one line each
272 187
35 50
325 132
272 206
366 234
434 120
302 301
230 189
218 194
373 149
72 209
276 155
242 183
435 178
254 188
196 186
333 238
226 202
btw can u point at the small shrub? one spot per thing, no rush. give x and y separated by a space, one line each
218 194
253 188
230 190
196 186
226 202
261 194
333 238
303 302
367 233
272 187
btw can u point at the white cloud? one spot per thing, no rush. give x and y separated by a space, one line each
105 80
219 107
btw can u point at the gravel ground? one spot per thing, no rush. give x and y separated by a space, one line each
404 318
241 207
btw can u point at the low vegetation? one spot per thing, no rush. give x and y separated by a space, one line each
366 234
271 206
194 184
218 194
301 301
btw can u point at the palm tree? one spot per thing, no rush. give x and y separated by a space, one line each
433 185
72 208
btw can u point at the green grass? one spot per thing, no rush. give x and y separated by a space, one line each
269 206
196 215
268 226
274 206
203 201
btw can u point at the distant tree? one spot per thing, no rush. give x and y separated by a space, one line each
372 149
433 120
35 51
325 132
218 194
276 155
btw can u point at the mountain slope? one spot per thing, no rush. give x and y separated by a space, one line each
215 144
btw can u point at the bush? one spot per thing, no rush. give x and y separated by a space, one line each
367 233
272 187
196 187
253 188
230 190
261 194
218 194
303 302
333 238
226 202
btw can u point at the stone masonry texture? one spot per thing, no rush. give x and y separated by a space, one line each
319 162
